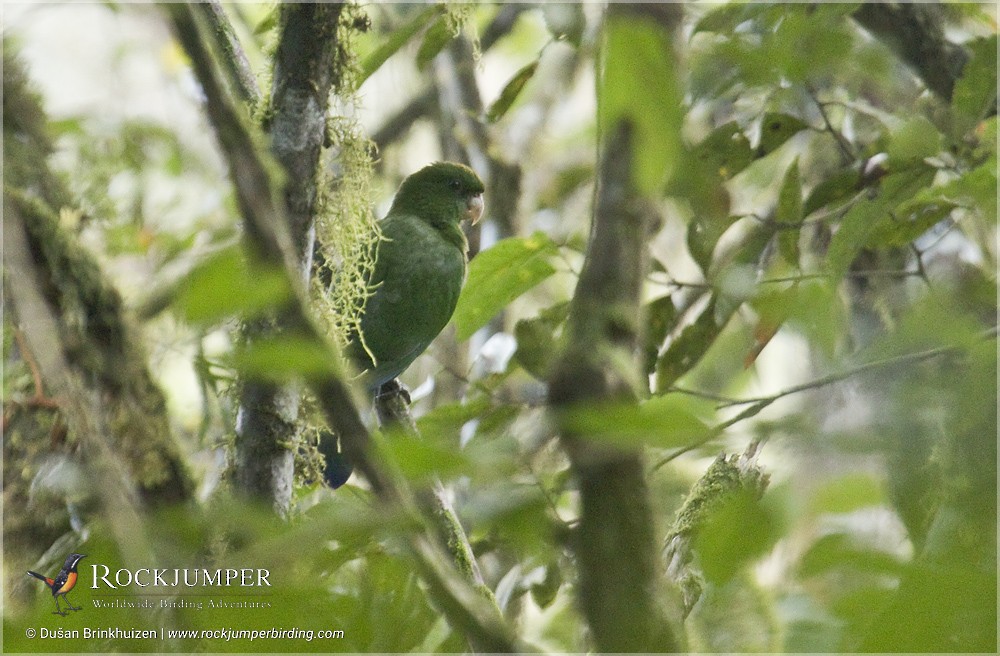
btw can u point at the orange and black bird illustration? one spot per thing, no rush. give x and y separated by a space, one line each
63 582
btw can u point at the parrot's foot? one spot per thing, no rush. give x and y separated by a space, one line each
392 389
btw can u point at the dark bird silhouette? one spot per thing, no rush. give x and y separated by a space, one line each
63 582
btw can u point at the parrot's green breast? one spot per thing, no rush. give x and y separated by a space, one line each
417 279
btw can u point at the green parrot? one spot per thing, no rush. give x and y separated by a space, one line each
418 274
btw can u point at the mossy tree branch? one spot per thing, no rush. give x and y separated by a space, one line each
303 77
268 240
93 334
232 57
614 543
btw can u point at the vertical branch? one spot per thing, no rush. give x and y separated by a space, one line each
615 541
303 77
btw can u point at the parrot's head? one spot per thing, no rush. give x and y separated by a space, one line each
442 192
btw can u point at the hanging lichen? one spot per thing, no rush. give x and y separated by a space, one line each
346 230
459 16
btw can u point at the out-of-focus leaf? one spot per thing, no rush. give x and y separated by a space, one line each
848 493
639 83
449 418
908 222
837 550
545 591
976 91
914 140
862 220
812 308
226 285
737 532
515 513
437 36
725 17
419 459
536 342
833 190
284 358
788 213
703 233
666 421
400 37
725 151
510 92
268 23
500 274
776 129
660 317
565 20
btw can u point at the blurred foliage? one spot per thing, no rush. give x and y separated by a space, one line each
824 263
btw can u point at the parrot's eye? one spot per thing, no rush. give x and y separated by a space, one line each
455 184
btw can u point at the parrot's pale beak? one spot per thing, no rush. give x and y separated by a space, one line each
474 208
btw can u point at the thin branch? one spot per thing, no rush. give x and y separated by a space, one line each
845 148
758 403
424 102
233 58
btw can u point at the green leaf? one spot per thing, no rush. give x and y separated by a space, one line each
836 551
976 91
737 532
776 129
914 140
725 151
565 20
667 421
510 92
789 209
703 234
419 459
863 219
448 419
837 188
267 23
226 285
435 39
536 342
286 357
660 318
638 83
848 493
500 274
788 213
724 18
400 37
908 222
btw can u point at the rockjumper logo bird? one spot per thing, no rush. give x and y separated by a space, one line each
63 582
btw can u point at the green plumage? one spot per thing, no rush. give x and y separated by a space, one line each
418 275
419 270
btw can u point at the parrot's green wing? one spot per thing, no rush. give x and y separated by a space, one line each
414 286
417 278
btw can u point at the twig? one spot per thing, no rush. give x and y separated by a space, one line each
758 403
845 149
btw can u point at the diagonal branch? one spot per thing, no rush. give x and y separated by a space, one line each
269 240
